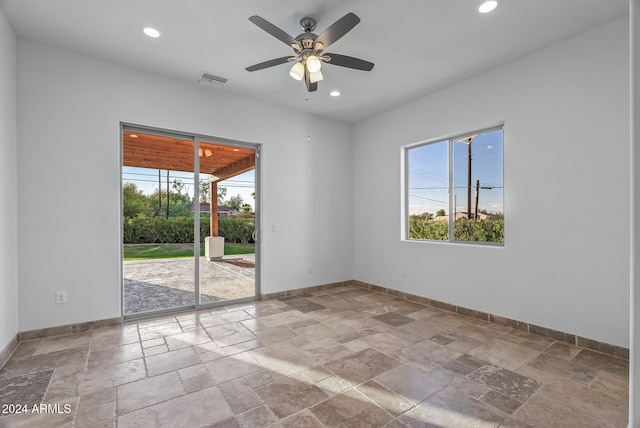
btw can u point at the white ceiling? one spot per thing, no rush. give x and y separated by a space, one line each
418 46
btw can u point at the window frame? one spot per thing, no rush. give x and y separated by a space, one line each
449 140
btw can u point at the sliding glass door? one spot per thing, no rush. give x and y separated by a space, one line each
188 221
228 208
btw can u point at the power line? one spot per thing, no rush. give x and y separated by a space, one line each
184 179
428 199
483 187
231 185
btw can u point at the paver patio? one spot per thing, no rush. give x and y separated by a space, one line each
151 285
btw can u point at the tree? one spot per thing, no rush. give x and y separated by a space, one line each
134 202
440 213
222 192
246 211
235 203
205 189
421 217
177 185
179 204
205 186
495 216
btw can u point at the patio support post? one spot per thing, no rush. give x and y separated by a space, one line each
213 244
213 210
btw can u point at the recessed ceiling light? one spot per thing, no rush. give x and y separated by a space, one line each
133 136
334 93
487 6
151 32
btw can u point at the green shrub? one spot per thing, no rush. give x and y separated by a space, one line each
479 230
129 232
488 230
236 229
420 228
151 230
204 228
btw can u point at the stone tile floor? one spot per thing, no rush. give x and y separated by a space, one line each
343 357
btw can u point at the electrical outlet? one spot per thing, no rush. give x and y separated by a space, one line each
274 228
404 274
308 268
61 297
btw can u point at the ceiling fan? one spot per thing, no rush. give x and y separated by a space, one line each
309 49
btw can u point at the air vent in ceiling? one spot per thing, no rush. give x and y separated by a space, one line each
211 80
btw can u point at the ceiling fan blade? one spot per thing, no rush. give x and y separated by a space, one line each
311 87
349 62
273 30
270 63
338 29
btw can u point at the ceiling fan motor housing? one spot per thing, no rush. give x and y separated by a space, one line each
307 24
306 40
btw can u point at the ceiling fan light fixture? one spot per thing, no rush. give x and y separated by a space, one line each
151 32
297 71
486 6
313 64
315 77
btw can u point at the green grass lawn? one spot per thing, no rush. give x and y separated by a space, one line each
165 251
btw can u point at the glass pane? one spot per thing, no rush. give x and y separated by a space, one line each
478 187
428 197
158 229
227 222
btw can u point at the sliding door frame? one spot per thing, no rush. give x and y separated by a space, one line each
196 138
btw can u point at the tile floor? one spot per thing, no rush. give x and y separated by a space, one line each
343 357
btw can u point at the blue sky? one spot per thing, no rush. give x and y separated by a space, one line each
429 177
147 181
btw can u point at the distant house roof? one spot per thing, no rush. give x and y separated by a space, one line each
459 215
205 208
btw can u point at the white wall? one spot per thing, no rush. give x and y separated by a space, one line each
69 110
8 186
565 264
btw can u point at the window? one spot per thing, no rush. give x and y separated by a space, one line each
454 189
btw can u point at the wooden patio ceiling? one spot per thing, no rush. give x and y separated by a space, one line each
169 153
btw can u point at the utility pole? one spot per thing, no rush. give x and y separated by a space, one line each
467 141
469 181
478 196
475 213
